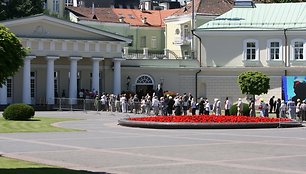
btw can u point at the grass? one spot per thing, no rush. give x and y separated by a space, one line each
14 166
37 124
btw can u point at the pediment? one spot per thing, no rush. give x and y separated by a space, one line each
42 26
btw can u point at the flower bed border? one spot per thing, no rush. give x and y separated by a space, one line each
186 125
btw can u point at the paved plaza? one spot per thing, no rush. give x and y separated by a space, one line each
105 147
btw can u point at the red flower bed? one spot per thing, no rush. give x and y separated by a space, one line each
210 119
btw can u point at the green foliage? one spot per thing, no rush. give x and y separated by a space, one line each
20 8
254 83
11 54
18 112
246 110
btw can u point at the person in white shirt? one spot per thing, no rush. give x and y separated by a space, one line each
227 106
155 105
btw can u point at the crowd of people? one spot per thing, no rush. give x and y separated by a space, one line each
186 103
164 105
292 109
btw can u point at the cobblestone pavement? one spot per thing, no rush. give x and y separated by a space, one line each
104 146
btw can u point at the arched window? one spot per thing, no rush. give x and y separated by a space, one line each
144 80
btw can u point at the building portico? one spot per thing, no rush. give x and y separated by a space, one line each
64 57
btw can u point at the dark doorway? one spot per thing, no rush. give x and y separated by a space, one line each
142 90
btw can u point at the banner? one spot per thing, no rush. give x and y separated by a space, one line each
294 87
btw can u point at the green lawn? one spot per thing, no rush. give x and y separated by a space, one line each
37 124
13 166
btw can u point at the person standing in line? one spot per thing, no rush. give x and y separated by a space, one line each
148 105
185 104
96 103
163 106
303 111
143 105
214 106
227 106
266 110
178 105
193 106
201 106
261 107
218 107
207 107
291 109
298 108
252 108
170 105
155 105
283 109
123 101
239 107
277 107
271 103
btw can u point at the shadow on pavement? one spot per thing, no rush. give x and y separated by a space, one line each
46 171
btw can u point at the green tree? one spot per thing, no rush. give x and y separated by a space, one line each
253 83
10 9
12 54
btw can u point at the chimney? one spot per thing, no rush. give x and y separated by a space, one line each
144 20
121 19
93 9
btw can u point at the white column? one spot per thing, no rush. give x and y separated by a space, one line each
50 79
117 76
3 95
26 94
95 73
73 78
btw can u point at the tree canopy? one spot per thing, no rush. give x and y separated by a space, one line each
12 54
254 83
10 9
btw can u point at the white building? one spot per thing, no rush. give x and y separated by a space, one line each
252 37
64 56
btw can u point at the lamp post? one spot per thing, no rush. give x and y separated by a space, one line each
161 81
128 79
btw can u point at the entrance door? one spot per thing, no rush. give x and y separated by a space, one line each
142 90
144 84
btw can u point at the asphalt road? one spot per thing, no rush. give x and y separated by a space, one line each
106 147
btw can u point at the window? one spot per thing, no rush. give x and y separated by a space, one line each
251 51
55 6
32 84
274 49
298 49
186 33
154 42
144 80
143 40
132 38
9 86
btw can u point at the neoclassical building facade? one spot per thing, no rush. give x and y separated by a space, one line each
63 58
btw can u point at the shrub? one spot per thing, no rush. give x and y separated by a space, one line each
18 112
246 110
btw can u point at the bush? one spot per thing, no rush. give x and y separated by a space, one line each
246 110
18 112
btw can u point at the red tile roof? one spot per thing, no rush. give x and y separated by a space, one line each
133 17
207 7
